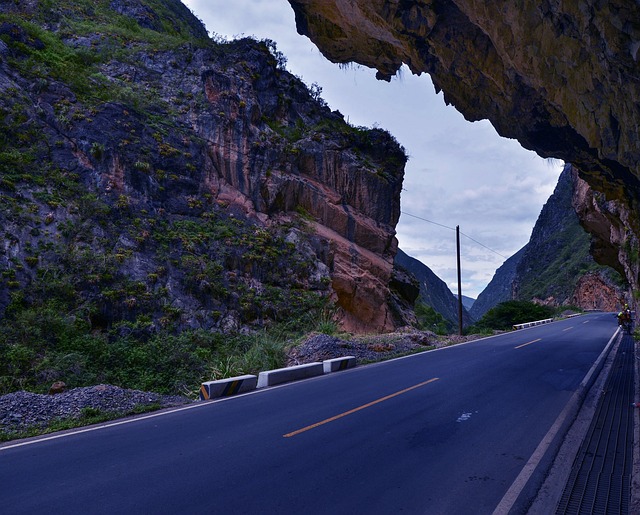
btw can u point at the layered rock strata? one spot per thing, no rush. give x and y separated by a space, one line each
180 181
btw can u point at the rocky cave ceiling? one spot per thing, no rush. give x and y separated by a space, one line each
561 77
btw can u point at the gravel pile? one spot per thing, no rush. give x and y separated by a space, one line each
20 411
367 349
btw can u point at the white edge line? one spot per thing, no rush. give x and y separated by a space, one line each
200 404
130 420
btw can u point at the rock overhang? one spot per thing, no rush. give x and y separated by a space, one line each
562 77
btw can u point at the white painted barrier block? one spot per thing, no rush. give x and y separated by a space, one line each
226 387
533 324
335 364
282 375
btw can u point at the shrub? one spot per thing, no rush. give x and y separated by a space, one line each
430 320
506 314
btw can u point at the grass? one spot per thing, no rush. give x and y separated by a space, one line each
241 354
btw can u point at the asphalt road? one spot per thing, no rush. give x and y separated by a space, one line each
440 432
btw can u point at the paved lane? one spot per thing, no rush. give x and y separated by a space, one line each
440 432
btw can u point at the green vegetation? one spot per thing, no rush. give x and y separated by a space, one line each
557 270
119 265
82 318
379 150
42 54
430 320
503 316
42 345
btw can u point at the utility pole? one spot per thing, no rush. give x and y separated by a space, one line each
459 281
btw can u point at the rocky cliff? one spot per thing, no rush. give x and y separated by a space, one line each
555 266
499 289
560 76
153 178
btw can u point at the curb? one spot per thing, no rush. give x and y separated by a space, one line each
532 324
337 364
634 503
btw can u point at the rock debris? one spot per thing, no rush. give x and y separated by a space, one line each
20 411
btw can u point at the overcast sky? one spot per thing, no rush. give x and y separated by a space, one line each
458 173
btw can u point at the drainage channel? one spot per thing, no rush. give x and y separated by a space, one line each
600 479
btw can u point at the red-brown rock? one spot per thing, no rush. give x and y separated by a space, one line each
57 387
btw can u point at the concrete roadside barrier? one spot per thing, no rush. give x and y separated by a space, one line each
283 375
532 324
333 365
226 387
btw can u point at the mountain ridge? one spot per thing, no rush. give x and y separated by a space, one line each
555 266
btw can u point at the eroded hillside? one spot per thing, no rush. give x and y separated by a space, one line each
153 181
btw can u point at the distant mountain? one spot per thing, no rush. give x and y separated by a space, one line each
467 302
500 289
555 267
433 291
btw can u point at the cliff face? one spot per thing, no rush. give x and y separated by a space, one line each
500 289
559 76
152 177
555 266
615 227
557 253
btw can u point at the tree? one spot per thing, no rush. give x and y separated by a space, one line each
430 320
506 314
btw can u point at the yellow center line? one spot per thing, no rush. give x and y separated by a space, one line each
567 329
350 412
528 343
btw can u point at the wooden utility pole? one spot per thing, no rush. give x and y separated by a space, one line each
459 281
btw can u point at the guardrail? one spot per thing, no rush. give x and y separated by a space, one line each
241 384
532 324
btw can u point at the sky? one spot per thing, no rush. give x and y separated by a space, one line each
458 174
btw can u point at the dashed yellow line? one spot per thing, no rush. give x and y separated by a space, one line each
528 343
359 408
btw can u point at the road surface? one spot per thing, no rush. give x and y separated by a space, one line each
446 431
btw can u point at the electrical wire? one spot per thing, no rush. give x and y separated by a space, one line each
425 220
453 229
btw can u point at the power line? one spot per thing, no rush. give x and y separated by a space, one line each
425 220
482 245
453 229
